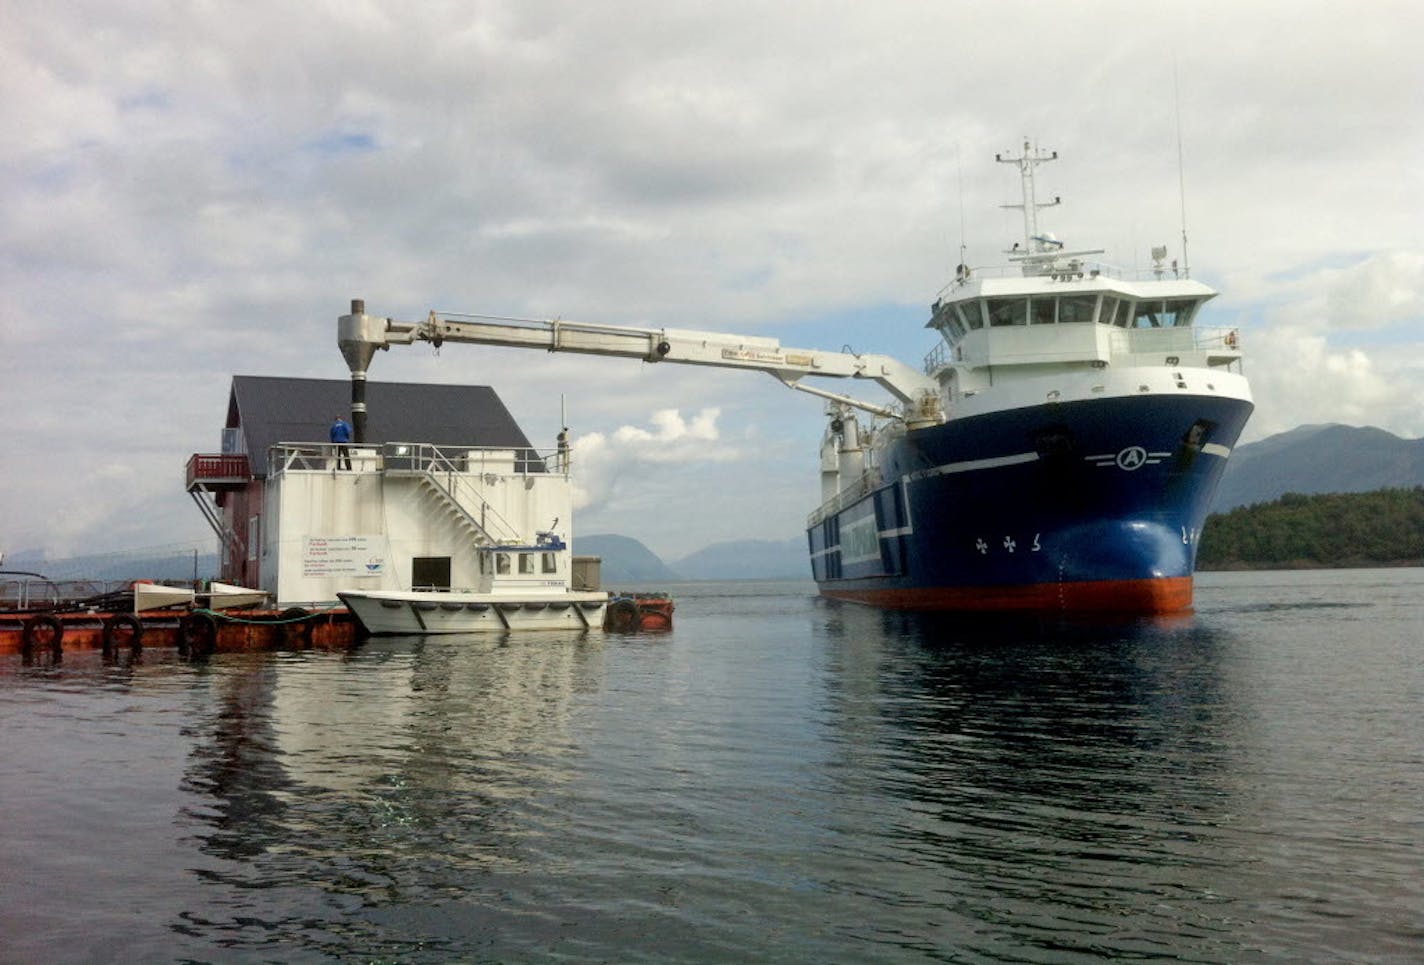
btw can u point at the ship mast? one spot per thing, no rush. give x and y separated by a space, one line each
1031 158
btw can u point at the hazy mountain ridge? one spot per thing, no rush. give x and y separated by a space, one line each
748 559
1317 459
624 559
115 566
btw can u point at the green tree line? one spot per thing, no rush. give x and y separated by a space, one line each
1333 529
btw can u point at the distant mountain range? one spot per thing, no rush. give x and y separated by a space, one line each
626 561
1320 459
180 565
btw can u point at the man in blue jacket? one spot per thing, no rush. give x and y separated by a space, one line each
341 435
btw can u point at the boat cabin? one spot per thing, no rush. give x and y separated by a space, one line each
515 567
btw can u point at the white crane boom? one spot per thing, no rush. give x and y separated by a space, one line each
360 335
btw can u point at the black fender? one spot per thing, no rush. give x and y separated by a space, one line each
197 634
622 615
45 631
122 630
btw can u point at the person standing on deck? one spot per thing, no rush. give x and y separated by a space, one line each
341 435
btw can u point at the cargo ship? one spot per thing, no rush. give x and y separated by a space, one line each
1057 451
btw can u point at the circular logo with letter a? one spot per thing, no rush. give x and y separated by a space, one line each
1133 457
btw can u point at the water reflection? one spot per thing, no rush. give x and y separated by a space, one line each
236 770
388 776
1064 774
777 779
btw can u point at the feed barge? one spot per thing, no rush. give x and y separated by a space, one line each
466 532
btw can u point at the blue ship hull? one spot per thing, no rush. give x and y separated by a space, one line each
1085 506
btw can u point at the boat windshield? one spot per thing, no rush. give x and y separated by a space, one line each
1163 313
1045 310
1007 311
956 320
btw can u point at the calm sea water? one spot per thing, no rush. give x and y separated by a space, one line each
780 778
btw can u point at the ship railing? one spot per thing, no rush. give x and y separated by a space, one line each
42 593
1155 341
1218 339
413 456
1066 271
285 457
936 357
861 487
449 469
1087 269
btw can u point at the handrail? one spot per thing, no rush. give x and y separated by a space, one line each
447 468
936 357
414 457
867 481
458 486
1082 269
204 466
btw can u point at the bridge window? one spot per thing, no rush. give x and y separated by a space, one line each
1147 315
971 315
1041 311
1123 316
501 564
1076 308
526 562
1007 311
550 562
1178 312
1105 317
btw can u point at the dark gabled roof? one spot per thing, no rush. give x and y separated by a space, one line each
271 410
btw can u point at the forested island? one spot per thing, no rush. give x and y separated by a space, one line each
1381 528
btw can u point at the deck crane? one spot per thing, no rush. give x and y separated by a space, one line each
360 335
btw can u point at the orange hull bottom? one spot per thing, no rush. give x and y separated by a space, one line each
1165 595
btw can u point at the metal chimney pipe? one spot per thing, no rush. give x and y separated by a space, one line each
357 362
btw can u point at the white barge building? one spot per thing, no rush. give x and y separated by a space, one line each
439 517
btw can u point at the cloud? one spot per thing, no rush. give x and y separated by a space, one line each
190 193
1298 377
1341 345
603 462
1379 292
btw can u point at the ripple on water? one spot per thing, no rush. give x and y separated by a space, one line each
779 779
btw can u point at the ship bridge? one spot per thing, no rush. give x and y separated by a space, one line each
1051 311
1074 313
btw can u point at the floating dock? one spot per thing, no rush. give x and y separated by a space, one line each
197 631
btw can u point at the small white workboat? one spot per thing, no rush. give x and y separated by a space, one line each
522 587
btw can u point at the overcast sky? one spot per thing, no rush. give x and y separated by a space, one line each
197 190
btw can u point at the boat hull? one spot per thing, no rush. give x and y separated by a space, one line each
1091 506
396 612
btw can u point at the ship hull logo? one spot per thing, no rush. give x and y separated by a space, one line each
1128 459
1133 457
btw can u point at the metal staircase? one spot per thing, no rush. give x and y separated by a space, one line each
451 493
